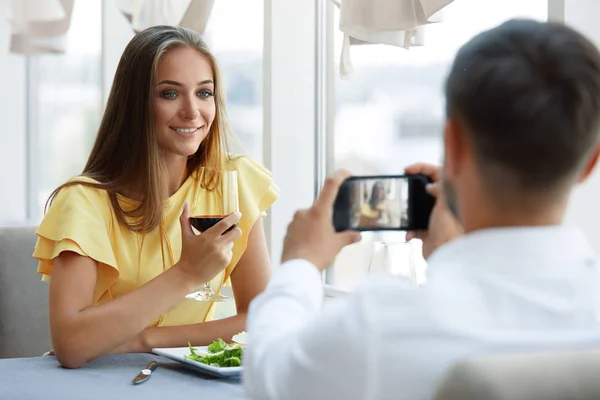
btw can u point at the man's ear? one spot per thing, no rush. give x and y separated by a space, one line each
455 147
590 165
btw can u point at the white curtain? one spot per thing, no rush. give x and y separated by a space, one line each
392 22
39 26
142 14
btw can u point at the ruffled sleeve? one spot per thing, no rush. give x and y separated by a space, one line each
78 220
256 189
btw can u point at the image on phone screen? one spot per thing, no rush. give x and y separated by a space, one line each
385 202
380 203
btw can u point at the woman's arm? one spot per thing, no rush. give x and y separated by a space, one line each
81 331
249 278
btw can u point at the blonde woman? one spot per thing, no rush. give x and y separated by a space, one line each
374 213
116 240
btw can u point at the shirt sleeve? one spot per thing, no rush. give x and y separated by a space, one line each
78 221
296 351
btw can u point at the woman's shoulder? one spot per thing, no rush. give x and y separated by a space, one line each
251 173
82 191
76 209
244 164
255 182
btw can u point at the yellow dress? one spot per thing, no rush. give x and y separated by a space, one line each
369 218
81 219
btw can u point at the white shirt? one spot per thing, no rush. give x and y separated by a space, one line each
493 290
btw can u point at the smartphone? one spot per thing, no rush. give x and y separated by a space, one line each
383 203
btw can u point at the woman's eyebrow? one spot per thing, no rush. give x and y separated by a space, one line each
175 83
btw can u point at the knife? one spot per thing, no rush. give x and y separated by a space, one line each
145 373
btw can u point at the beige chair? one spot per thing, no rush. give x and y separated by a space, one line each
24 328
543 375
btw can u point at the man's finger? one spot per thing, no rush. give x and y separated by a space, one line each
431 170
415 235
434 189
349 237
330 190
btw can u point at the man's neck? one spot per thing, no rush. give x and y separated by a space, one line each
474 223
524 213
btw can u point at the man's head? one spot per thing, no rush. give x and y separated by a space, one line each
523 116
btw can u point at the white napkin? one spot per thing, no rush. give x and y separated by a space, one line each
393 22
142 14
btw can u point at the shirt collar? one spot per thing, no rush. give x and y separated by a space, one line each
512 247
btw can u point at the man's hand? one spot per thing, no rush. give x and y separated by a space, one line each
443 227
311 236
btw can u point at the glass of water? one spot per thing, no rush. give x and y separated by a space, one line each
396 258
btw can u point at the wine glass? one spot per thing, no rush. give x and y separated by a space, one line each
227 191
396 258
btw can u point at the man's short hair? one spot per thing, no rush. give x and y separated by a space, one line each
528 95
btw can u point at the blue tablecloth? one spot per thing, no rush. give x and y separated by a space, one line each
109 378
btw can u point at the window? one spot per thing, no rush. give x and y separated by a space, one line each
65 97
235 35
390 111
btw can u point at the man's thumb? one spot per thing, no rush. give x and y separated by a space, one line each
349 237
184 220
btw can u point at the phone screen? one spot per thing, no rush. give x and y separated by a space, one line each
387 202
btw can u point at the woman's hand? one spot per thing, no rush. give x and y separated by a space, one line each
204 256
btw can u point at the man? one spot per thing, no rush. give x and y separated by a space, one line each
523 114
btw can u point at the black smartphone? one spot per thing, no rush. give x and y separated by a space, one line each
383 203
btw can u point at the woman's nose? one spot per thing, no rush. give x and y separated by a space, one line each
189 110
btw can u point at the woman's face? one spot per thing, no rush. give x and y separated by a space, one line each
184 102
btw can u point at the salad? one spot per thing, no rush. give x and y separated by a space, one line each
220 354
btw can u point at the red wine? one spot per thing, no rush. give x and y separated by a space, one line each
205 222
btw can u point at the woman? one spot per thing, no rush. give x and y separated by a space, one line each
374 213
117 241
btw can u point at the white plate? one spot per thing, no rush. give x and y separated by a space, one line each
178 353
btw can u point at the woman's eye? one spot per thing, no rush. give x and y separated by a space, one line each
169 94
205 93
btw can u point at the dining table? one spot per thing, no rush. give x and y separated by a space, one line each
111 378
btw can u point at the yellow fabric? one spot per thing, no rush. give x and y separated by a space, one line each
81 219
368 212
370 218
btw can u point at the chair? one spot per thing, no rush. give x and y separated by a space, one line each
540 375
24 330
